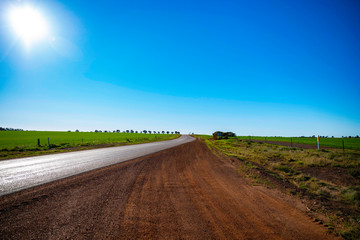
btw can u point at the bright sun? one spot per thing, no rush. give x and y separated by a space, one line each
28 24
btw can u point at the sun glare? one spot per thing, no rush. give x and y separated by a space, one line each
28 24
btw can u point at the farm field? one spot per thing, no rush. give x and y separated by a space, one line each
25 143
349 143
327 181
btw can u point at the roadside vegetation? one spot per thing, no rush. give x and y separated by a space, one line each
350 142
15 144
326 180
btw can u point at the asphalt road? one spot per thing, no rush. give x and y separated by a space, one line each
22 173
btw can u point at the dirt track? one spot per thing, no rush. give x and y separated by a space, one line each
182 193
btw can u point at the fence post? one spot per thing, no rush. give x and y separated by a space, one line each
38 142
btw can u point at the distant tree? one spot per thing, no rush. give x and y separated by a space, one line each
132 131
172 132
96 130
357 136
222 135
145 131
136 131
349 136
77 130
69 130
149 132
230 134
163 132
167 132
117 131
106 131
127 131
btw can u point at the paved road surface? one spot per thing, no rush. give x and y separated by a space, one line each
22 173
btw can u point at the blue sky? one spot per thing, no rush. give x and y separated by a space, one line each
285 68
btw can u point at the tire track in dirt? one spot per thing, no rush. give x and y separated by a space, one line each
181 193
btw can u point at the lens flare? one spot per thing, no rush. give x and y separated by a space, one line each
28 24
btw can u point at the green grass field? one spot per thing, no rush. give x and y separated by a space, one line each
25 143
29 139
349 143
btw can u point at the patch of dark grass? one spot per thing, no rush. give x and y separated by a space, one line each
285 169
322 184
276 155
354 172
250 165
306 178
352 195
352 234
53 145
293 148
324 194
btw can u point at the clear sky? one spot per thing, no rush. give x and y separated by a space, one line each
285 68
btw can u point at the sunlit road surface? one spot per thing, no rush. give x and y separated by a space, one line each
22 173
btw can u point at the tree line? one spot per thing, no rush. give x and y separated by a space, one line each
11 129
143 131
114 131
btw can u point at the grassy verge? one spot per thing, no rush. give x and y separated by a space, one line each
349 143
327 181
25 144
